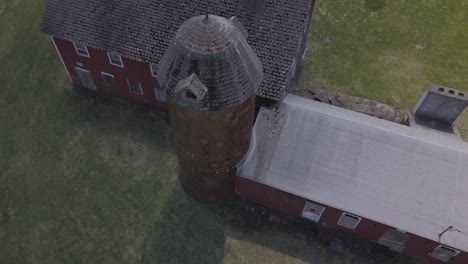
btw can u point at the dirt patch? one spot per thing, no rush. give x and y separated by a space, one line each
358 104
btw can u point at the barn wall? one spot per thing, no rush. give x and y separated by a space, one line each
269 197
366 228
293 205
99 62
419 246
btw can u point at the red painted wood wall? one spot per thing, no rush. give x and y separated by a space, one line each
293 205
98 62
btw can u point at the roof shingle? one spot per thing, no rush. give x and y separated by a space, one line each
143 29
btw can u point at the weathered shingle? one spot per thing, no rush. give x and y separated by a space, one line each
143 29
216 51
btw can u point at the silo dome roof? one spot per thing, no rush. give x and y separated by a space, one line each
207 35
215 50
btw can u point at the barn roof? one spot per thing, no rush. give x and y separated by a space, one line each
412 179
142 29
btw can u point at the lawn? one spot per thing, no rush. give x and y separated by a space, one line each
91 180
388 51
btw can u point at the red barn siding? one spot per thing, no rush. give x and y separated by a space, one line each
421 247
99 62
268 197
293 205
366 228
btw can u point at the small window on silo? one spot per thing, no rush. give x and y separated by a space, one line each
444 253
189 94
349 221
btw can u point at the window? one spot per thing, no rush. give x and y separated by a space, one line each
135 87
444 253
115 59
349 221
395 239
190 95
313 211
154 70
82 50
109 79
160 95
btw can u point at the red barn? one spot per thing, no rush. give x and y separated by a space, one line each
403 187
114 47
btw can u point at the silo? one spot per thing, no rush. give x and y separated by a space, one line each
210 75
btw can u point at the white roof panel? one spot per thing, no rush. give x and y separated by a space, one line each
409 178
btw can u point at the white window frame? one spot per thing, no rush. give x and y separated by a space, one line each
187 94
395 239
313 216
152 67
350 215
157 97
130 89
449 248
85 49
121 65
107 74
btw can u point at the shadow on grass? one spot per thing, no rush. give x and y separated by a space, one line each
191 232
375 5
186 231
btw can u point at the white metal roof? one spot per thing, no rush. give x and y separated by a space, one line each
412 179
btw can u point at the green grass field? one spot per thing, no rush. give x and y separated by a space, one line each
89 180
388 51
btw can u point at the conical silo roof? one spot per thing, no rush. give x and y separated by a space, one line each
215 50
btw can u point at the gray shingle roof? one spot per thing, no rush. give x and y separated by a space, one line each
143 29
216 51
